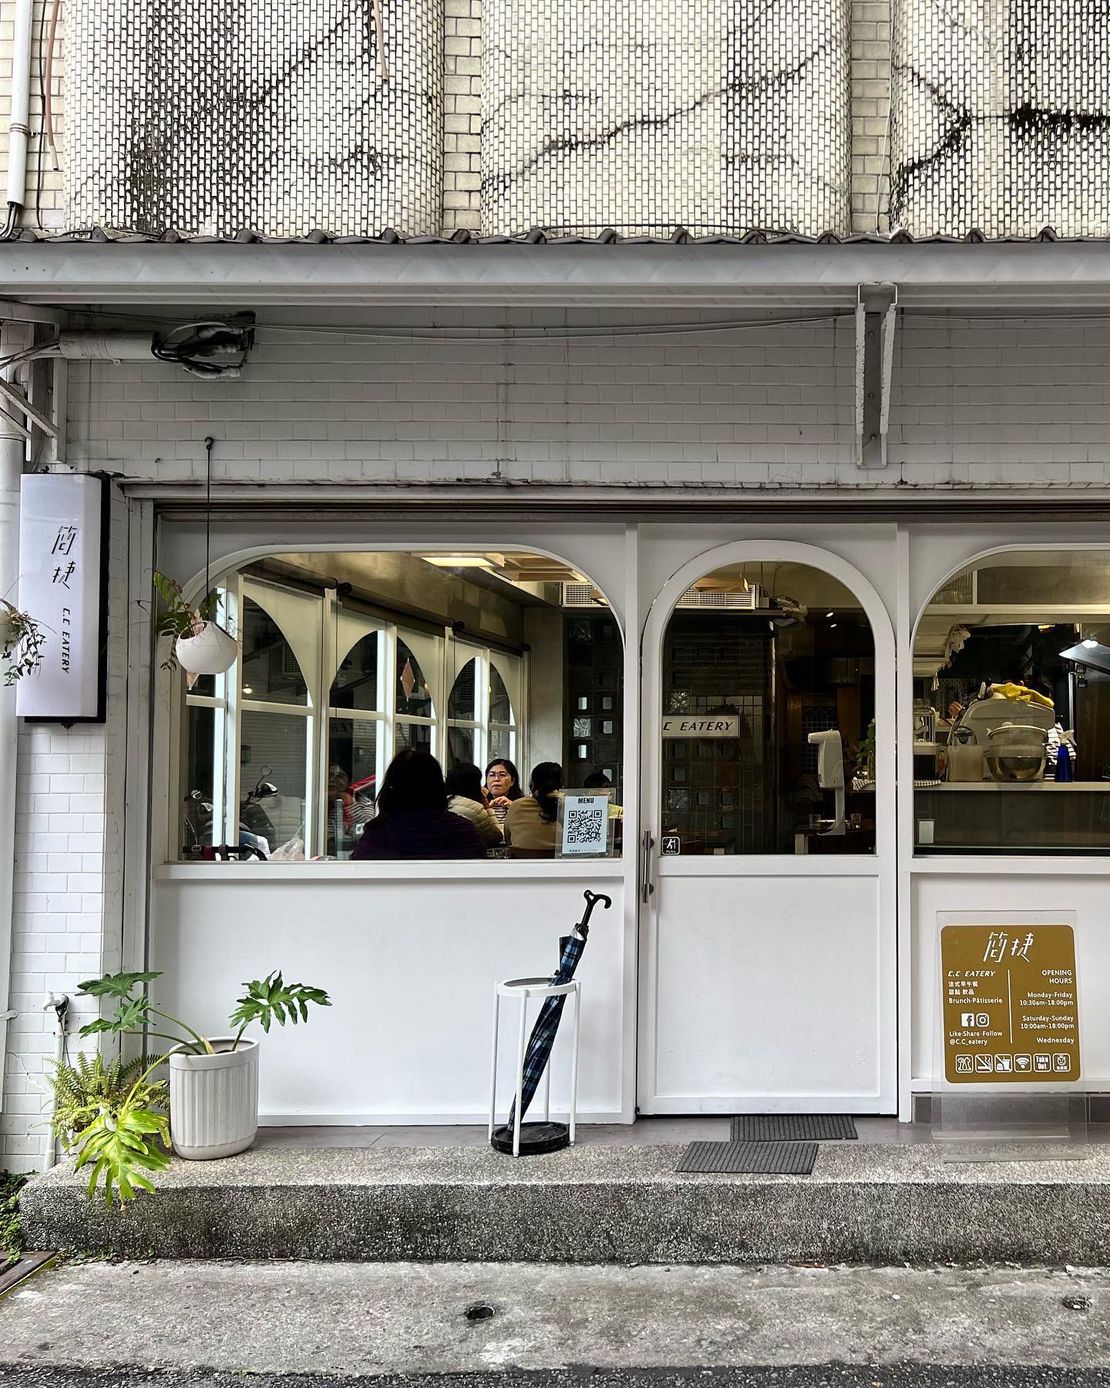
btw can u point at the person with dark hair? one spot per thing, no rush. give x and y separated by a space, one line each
464 797
531 824
413 820
502 787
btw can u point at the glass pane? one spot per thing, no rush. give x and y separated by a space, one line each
412 735
460 746
198 790
755 660
500 709
270 671
352 782
500 743
1011 712
356 681
413 695
462 702
272 750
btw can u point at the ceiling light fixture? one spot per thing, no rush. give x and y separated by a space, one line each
458 561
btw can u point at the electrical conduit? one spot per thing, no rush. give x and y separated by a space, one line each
19 129
14 338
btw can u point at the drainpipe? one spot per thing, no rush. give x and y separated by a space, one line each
58 1003
19 129
14 337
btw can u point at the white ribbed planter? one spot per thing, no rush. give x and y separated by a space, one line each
212 651
214 1100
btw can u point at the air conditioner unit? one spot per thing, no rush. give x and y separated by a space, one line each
580 595
746 600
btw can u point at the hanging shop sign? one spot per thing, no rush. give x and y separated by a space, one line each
718 725
1009 1004
63 586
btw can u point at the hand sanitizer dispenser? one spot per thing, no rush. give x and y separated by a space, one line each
830 772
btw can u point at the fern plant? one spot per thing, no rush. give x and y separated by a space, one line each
91 1084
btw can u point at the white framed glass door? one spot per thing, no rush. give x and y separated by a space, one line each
768 891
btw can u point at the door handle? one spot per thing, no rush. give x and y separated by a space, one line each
648 886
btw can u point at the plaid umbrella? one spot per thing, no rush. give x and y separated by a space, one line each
542 1039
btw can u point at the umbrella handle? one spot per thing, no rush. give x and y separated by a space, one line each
592 898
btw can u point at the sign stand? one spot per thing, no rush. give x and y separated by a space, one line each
1006 1038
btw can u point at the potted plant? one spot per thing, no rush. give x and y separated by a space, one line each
21 642
200 645
213 1081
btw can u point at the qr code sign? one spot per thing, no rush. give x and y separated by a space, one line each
585 824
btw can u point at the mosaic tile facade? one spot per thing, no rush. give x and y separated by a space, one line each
1001 117
212 115
716 115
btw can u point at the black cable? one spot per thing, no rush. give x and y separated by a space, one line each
209 444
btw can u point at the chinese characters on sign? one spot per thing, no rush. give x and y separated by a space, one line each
60 586
1010 1004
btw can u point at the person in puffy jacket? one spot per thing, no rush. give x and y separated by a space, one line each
464 797
413 820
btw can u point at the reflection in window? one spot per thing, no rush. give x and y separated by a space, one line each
352 781
463 700
755 659
270 672
1011 715
273 751
412 735
355 684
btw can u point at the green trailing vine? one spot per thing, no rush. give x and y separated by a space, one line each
23 642
177 617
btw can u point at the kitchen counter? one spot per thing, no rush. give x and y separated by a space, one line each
1021 785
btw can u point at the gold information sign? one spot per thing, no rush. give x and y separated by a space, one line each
1010 1003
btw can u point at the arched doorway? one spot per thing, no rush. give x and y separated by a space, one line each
768 890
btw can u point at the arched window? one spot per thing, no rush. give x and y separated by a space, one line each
1011 711
415 722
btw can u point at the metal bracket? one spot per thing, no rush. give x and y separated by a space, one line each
876 317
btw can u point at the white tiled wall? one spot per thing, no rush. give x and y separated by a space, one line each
68 878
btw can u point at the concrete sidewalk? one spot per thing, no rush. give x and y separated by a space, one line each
863 1203
410 1322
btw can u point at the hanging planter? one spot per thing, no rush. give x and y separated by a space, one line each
200 645
209 651
21 642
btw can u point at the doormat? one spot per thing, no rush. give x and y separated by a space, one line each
793 1127
755 1158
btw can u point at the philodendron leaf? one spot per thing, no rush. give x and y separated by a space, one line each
114 985
131 1015
121 1147
271 999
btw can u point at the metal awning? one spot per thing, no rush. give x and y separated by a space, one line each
750 273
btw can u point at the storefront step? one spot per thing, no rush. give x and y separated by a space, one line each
863 1203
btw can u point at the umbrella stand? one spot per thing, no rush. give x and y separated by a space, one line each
536 1138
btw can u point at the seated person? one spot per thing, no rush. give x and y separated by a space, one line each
531 824
413 820
464 797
